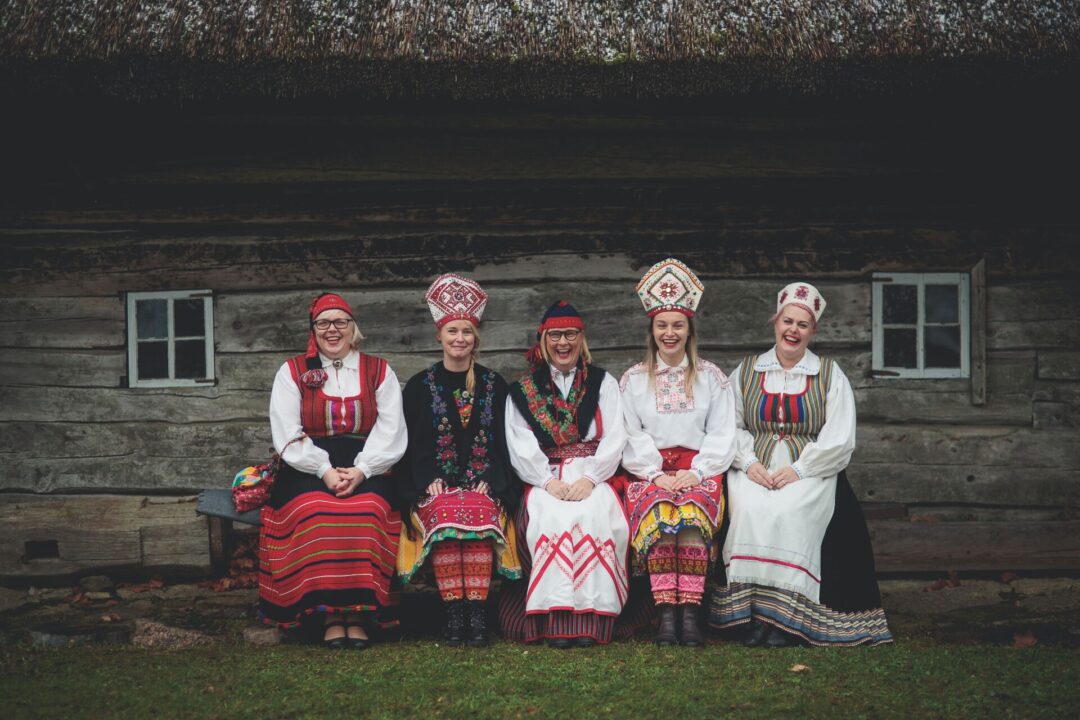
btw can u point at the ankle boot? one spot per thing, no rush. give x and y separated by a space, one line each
665 633
756 634
454 634
691 633
477 632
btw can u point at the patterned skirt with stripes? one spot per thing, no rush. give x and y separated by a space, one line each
319 553
826 594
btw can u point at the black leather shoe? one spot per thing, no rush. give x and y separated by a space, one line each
559 643
757 633
665 632
776 638
454 634
338 643
691 632
583 642
477 624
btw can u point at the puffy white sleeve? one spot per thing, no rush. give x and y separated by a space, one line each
744 440
285 426
640 456
609 452
832 450
388 438
719 445
528 460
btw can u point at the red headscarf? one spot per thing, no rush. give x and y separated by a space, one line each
324 302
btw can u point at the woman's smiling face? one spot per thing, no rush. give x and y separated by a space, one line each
794 328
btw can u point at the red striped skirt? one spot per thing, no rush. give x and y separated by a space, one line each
319 553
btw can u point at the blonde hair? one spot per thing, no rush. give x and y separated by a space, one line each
585 354
651 349
470 377
357 336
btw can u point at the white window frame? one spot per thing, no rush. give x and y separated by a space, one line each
207 296
962 281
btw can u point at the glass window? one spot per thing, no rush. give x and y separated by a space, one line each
921 324
170 338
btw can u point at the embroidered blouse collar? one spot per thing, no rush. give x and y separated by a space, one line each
662 366
810 364
351 361
559 374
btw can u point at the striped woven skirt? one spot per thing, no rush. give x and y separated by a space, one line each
319 553
847 610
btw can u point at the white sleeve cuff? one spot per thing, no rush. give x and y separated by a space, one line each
750 461
364 468
797 467
323 468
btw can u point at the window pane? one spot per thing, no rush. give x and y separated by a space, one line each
900 348
190 358
151 318
942 347
153 360
188 318
901 304
941 305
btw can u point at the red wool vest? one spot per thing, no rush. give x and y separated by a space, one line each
325 416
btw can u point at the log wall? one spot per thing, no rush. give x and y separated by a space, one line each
266 211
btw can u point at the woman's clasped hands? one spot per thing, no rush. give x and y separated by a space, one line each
681 481
573 492
343 481
772 481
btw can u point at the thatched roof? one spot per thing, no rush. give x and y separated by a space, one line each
333 46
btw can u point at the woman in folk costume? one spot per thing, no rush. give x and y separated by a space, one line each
565 434
329 537
680 425
798 564
457 475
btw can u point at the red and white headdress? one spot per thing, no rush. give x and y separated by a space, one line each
803 295
322 303
452 297
670 286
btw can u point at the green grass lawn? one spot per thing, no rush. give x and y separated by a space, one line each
909 679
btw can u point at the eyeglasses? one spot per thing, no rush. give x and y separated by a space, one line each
339 323
557 335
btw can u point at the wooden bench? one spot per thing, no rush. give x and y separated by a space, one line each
216 504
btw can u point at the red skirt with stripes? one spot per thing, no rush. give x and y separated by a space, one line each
319 553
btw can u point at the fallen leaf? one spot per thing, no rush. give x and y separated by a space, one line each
1024 640
110 617
799 667
1008 577
924 519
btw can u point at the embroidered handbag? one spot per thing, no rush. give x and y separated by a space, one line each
251 486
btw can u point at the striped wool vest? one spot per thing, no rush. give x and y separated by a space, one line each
323 415
794 420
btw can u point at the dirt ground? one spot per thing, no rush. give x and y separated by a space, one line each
1008 610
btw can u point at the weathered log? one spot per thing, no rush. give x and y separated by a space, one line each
1059 364
100 532
901 546
513 249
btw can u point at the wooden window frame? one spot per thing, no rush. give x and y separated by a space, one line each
962 281
207 296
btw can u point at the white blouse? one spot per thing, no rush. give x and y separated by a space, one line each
530 462
661 415
832 450
386 442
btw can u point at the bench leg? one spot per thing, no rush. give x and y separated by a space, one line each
220 542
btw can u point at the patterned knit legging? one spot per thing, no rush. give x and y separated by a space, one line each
462 568
677 567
